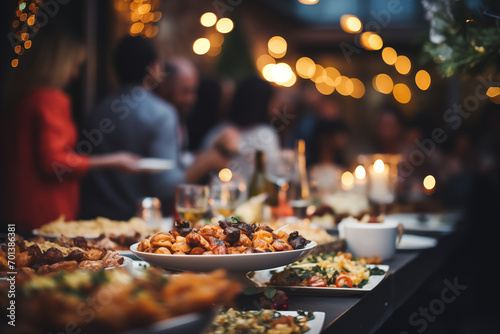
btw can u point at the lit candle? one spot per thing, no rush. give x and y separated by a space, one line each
379 182
360 179
347 181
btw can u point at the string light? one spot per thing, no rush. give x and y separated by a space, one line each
141 14
277 46
201 46
383 83
350 24
389 55
208 19
403 64
402 93
423 79
23 25
224 25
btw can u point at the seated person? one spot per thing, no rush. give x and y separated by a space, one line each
136 120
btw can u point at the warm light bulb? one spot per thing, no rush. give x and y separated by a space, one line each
429 182
277 46
305 67
225 175
224 25
208 19
403 64
402 93
201 46
383 83
423 79
350 24
389 55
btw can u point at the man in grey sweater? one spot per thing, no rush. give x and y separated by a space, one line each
136 120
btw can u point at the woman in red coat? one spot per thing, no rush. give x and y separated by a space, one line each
42 166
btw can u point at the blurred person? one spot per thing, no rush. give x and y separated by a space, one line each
43 165
389 131
330 144
180 87
206 112
317 109
248 121
145 124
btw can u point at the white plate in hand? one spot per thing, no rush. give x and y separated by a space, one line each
155 164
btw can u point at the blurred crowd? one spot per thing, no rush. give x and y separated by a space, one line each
203 124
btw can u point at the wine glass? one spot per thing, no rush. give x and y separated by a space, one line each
280 167
224 198
191 201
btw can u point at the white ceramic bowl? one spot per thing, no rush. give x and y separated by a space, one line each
230 262
369 239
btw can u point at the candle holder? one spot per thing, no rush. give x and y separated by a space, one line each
382 177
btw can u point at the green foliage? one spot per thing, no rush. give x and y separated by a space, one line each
462 42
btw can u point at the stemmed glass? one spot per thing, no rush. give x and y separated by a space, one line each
191 201
224 198
280 167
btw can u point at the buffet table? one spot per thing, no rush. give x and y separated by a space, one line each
409 269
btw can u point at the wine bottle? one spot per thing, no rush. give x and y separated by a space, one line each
259 182
299 188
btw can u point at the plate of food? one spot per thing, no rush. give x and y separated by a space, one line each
333 274
266 321
93 229
43 256
234 246
118 302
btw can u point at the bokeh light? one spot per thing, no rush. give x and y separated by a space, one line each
305 67
350 24
402 93
201 46
423 79
208 19
225 175
403 65
389 55
264 60
359 89
429 182
360 172
277 46
383 83
224 25
371 41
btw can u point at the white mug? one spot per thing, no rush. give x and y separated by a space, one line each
369 239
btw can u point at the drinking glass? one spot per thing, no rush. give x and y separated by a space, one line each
191 201
280 167
224 198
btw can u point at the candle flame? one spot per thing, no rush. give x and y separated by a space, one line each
379 166
347 179
360 172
